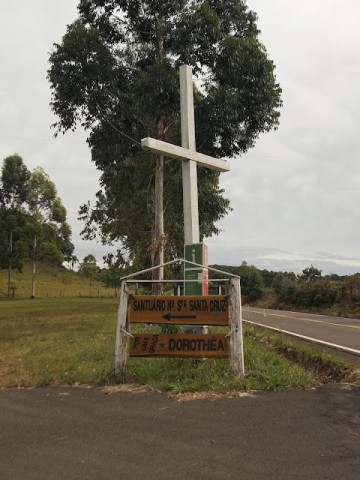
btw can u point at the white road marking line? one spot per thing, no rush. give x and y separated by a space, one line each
304 319
314 340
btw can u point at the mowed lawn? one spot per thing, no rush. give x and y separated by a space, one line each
56 341
71 341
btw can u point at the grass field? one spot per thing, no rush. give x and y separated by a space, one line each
71 340
52 282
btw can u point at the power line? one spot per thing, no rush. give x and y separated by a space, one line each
38 139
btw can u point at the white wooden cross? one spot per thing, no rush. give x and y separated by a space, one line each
189 156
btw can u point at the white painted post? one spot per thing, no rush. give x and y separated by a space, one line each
189 168
121 329
235 324
189 157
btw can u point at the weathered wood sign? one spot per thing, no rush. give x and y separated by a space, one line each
182 310
186 310
175 345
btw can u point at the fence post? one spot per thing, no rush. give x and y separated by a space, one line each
236 353
121 328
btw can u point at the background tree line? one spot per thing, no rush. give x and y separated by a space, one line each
33 223
309 290
110 275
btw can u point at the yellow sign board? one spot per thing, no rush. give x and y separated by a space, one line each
181 310
183 345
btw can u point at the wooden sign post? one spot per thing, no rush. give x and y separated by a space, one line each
179 310
179 345
217 310
184 310
121 331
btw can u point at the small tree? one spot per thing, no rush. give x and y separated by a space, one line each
310 274
13 194
89 269
47 232
12 242
33 219
72 260
252 284
111 276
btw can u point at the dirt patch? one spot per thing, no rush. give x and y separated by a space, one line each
323 370
207 395
354 377
126 387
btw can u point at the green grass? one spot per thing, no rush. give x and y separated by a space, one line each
265 370
326 366
53 341
67 341
52 282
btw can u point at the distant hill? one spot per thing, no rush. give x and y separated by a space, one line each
284 261
52 282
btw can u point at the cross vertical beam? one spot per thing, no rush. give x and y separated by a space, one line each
189 168
189 157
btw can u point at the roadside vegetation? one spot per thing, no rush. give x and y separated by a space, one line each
326 367
71 341
310 291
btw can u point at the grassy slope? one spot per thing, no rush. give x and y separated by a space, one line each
52 282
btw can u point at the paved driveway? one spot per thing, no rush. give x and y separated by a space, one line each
79 433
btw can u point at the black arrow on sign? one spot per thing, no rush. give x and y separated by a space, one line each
169 317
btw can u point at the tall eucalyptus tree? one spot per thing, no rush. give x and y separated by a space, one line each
116 74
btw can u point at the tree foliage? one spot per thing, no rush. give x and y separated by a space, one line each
116 268
14 182
32 219
310 274
252 283
90 270
116 73
12 242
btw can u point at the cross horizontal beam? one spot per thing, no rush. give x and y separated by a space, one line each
173 151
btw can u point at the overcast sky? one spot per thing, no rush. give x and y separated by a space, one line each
295 196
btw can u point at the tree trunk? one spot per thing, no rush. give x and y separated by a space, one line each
159 237
158 245
10 263
33 268
9 280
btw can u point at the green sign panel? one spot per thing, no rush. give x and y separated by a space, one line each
197 276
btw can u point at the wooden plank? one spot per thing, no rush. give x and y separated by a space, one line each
121 328
236 336
179 345
182 310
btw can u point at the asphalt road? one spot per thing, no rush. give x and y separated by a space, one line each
78 433
336 330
